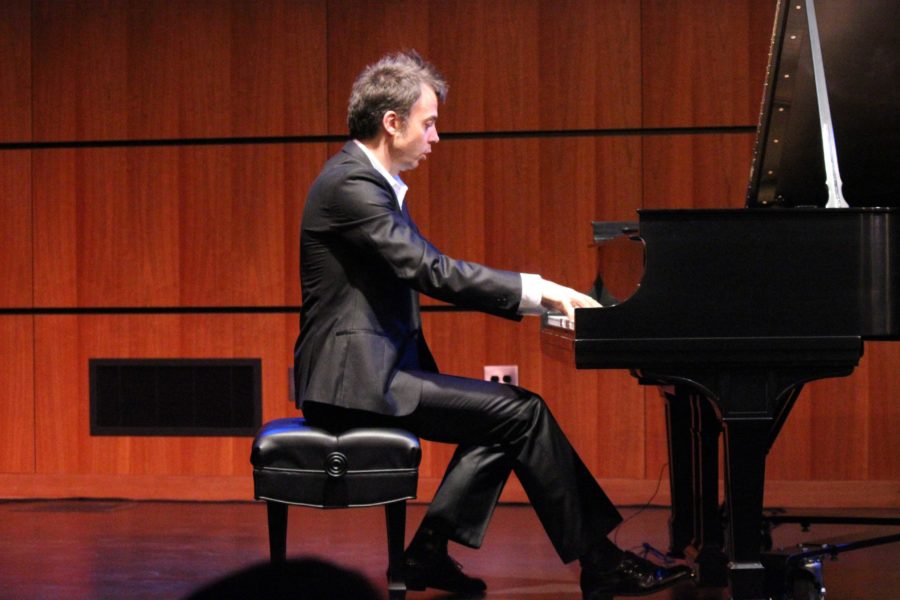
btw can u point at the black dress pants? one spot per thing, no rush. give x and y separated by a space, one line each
498 429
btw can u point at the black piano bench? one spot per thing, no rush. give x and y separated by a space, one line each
294 463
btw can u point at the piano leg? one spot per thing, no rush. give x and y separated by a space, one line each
746 445
695 526
711 559
681 469
751 403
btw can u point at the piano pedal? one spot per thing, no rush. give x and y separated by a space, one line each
664 557
710 567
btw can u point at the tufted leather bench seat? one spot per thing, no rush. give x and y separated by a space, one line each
294 463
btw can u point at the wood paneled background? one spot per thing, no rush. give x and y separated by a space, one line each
154 160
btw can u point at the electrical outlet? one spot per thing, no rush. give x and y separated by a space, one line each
502 373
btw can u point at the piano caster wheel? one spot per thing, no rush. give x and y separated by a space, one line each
805 581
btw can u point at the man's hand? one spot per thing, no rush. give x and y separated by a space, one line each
565 300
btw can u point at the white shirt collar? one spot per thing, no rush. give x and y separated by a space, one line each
396 183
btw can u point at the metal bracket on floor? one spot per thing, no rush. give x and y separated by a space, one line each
797 573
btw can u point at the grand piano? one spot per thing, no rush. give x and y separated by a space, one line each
738 308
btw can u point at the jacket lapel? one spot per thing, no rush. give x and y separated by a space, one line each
359 156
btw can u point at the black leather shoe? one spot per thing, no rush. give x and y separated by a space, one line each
634 576
441 572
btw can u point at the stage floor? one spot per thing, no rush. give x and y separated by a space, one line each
122 549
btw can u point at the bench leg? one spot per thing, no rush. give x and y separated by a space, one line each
278 514
395 517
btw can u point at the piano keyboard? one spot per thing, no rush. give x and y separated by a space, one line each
559 321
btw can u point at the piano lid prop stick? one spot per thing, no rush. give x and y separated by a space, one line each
829 150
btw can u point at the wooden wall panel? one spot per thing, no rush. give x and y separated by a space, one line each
15 229
157 69
80 74
538 65
56 234
840 413
884 410
527 74
196 225
696 171
829 434
16 358
15 71
167 226
109 234
793 454
17 399
513 224
278 68
590 61
512 61
704 62
457 48
453 213
302 164
63 346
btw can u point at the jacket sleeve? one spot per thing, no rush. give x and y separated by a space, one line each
363 211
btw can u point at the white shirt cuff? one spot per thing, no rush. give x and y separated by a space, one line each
530 304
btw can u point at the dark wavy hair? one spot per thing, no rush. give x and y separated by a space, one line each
393 83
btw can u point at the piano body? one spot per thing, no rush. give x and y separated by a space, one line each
738 308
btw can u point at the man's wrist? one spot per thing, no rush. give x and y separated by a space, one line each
532 286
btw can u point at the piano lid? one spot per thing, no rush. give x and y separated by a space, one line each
860 43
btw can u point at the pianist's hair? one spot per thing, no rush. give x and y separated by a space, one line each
393 83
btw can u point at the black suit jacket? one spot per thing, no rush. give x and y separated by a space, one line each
362 266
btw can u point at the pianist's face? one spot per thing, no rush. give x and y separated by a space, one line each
412 140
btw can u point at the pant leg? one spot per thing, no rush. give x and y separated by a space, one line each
500 428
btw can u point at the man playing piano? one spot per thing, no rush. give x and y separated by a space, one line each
361 358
